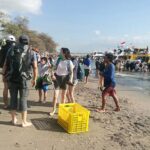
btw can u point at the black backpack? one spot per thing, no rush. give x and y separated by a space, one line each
3 52
19 64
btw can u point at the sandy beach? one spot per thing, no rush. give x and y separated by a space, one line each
128 129
60 42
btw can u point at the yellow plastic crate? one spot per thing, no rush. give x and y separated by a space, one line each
73 117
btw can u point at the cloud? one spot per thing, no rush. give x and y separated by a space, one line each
27 6
138 38
97 32
126 35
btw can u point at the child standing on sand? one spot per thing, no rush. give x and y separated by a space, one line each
109 82
43 80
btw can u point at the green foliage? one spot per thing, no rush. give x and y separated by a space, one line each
3 17
50 45
11 28
22 22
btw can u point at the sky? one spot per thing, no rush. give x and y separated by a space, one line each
87 25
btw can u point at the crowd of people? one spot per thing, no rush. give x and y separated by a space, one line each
121 64
138 65
21 63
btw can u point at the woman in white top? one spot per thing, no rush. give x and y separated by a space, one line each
62 76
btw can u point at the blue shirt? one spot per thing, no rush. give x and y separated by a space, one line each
109 76
87 62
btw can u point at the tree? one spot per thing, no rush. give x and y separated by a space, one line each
11 28
4 17
19 26
22 22
50 45
35 41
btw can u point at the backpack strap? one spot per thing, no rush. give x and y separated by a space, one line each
57 62
69 66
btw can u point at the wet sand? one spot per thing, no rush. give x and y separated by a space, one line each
128 129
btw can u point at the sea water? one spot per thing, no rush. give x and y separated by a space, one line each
134 81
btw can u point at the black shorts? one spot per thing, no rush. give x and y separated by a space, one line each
87 72
15 91
61 82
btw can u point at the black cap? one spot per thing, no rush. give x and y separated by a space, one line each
24 39
110 56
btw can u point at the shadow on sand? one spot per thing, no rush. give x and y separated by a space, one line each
9 123
35 103
49 124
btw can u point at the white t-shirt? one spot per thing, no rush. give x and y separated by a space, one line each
87 67
62 69
43 69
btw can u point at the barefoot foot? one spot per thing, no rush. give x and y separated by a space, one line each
101 110
26 124
14 122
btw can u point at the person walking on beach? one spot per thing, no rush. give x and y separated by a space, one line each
10 42
87 67
62 76
19 63
109 82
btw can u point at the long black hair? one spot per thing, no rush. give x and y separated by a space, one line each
66 53
109 56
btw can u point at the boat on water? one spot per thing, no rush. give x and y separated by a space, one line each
95 55
142 54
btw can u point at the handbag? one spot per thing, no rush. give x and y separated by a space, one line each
46 80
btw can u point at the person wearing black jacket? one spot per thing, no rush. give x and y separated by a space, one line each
10 42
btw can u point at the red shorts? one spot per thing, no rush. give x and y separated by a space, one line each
110 91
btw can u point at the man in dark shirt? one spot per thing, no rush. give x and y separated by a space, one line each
20 62
87 67
109 82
